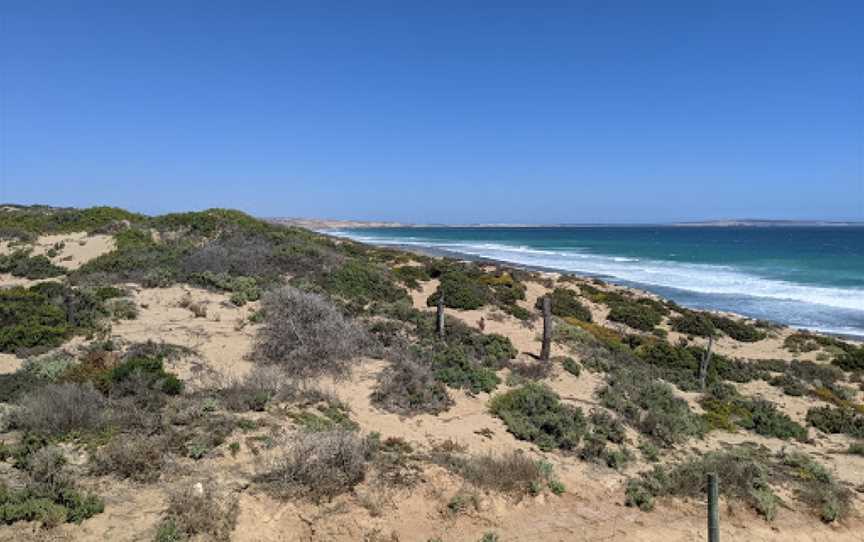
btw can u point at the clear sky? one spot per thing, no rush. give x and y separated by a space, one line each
464 111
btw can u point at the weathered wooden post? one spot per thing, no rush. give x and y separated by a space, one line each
704 363
713 510
546 349
440 316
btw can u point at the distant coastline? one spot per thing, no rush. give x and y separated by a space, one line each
335 224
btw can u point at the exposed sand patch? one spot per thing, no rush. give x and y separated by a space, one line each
78 248
8 281
218 338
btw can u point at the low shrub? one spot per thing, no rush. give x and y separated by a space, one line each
21 264
197 513
49 367
363 283
789 384
18 384
49 496
28 319
641 314
814 373
411 275
565 303
742 473
856 448
816 486
739 330
148 372
571 366
530 370
650 406
41 219
607 426
60 409
605 335
512 473
757 415
455 367
693 323
139 458
836 420
318 466
254 390
122 309
306 335
461 291
852 360
801 342
535 413
408 386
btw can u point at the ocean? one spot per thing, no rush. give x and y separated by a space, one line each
805 277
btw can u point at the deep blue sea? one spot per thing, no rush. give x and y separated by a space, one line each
807 277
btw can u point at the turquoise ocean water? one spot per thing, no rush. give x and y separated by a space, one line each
808 277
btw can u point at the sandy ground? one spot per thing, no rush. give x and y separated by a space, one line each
592 508
75 248
222 339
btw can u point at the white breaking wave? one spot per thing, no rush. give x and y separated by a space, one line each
699 278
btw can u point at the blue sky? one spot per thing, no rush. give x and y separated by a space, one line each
612 111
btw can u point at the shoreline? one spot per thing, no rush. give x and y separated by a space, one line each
643 289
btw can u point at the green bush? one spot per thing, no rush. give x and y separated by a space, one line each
789 384
738 330
28 319
566 304
506 288
150 370
836 420
535 413
139 258
454 367
693 323
243 289
571 366
651 407
852 360
607 426
491 350
743 474
731 410
802 342
639 314
411 275
49 496
21 264
816 486
41 219
461 291
672 359
364 283
122 308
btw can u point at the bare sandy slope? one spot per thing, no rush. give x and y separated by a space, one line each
74 249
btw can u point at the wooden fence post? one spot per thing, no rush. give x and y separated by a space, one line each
713 510
546 349
440 316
